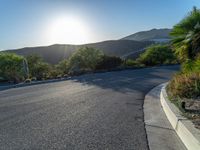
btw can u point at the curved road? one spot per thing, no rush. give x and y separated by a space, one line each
101 111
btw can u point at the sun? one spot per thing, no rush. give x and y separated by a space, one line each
68 30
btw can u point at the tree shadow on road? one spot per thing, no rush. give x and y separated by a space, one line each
126 81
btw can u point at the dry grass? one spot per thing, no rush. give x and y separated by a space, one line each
185 85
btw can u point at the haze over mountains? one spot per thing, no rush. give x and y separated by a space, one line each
156 35
55 53
132 44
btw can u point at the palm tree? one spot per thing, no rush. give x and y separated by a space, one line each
186 36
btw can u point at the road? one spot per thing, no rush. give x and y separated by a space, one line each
101 111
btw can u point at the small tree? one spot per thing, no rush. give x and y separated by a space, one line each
37 67
63 66
11 66
85 59
157 55
186 36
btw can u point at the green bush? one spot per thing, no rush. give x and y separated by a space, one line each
132 63
157 55
85 59
186 36
11 67
191 66
63 67
108 62
37 67
53 72
186 44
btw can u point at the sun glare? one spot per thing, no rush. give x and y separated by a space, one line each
68 30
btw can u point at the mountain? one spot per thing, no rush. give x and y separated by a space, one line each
128 47
55 53
156 35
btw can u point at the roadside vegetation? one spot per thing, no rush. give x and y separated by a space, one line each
37 67
158 55
184 87
186 45
84 60
11 68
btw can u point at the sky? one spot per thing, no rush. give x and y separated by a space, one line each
27 23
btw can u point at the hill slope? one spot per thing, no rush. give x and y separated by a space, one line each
156 35
55 53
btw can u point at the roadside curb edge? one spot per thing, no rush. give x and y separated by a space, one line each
184 128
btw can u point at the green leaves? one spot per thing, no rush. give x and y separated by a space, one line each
85 59
11 66
191 66
157 55
37 67
186 44
63 66
186 36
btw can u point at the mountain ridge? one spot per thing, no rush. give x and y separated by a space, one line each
57 52
132 44
150 35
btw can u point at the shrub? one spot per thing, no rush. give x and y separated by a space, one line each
63 67
11 67
41 70
108 62
53 72
186 44
157 55
191 66
132 63
85 59
185 85
186 36
37 67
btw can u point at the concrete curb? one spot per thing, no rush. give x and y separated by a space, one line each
185 129
64 79
32 83
160 133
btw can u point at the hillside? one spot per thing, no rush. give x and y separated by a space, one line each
128 47
55 53
156 35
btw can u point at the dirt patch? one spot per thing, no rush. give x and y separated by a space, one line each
192 108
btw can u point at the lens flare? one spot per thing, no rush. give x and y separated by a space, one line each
68 30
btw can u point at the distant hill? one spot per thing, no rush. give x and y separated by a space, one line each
128 47
55 53
156 35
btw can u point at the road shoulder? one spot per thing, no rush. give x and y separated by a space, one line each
160 133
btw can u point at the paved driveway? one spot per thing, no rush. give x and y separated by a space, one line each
97 111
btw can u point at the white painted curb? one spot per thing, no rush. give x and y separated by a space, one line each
185 129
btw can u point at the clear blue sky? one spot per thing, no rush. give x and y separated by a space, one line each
25 22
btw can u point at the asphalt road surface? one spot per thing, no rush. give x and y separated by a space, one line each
101 111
